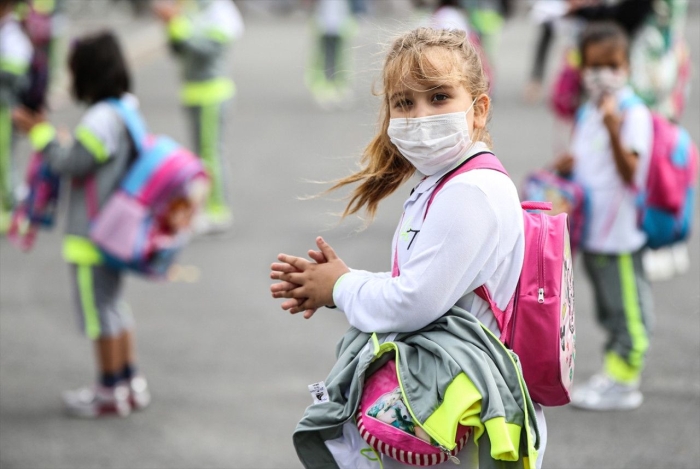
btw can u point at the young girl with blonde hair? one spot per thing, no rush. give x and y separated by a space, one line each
433 119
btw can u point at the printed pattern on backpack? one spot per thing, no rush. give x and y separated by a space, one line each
385 423
565 195
567 324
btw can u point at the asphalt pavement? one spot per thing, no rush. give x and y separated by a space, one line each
227 367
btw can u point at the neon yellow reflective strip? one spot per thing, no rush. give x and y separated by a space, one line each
573 58
487 21
15 67
618 369
201 93
92 143
79 250
44 6
218 35
633 313
179 28
209 151
461 405
41 135
22 10
87 301
5 161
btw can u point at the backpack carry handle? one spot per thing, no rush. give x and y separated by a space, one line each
533 205
133 121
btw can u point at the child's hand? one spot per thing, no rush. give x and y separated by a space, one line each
165 11
294 303
608 108
308 286
63 135
24 118
564 165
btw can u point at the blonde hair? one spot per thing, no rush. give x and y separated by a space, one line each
383 168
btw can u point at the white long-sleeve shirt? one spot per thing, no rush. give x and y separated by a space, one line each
472 235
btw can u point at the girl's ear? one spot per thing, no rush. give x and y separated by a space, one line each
481 111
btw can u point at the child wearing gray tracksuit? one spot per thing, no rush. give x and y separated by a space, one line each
610 154
95 163
199 34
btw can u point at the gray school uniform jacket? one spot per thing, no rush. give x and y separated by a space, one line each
200 38
95 163
454 346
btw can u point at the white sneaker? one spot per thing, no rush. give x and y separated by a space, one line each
98 401
658 264
604 393
207 224
139 396
681 258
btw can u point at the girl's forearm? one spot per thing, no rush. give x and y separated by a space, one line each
625 160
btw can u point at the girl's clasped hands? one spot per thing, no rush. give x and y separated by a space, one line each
307 285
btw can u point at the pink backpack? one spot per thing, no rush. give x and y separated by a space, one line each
538 323
566 92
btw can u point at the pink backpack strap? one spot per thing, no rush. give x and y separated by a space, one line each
483 160
503 317
92 201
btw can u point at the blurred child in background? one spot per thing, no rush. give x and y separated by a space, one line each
95 161
610 154
15 58
449 15
487 18
328 77
200 33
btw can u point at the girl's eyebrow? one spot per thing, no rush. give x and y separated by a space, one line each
398 94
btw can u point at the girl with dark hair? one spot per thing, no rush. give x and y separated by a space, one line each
95 161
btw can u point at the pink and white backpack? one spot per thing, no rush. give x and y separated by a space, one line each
538 323
385 423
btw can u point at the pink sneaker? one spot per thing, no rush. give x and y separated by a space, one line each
98 401
139 396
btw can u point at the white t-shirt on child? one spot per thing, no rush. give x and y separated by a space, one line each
612 221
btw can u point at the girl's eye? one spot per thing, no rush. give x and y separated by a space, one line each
403 103
440 97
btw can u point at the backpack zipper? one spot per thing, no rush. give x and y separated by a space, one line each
450 457
540 260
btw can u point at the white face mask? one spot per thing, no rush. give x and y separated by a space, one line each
431 143
604 80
